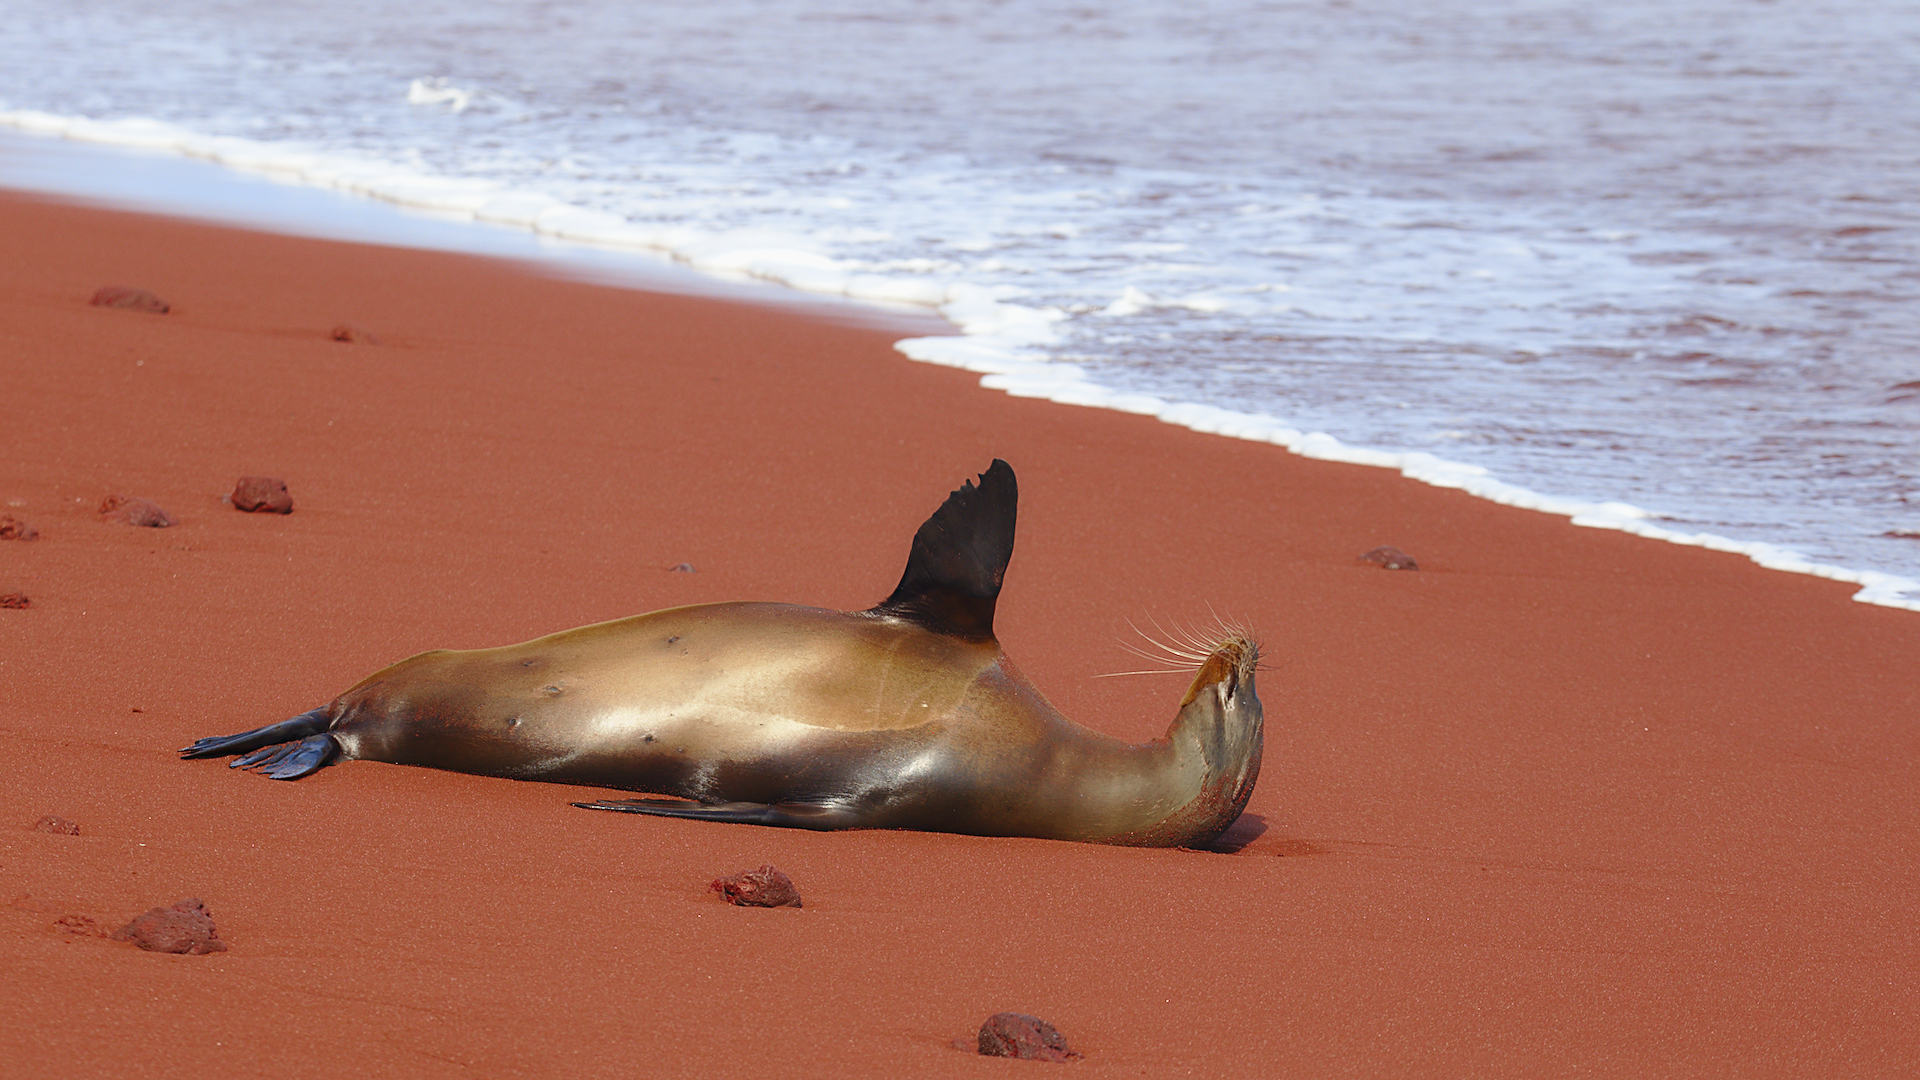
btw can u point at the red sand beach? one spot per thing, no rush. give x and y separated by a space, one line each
1561 802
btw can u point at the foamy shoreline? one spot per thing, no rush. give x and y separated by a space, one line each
1007 343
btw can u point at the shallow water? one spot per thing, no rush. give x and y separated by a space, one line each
1664 257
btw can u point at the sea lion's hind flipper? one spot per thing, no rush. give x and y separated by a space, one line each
959 558
308 723
788 815
291 760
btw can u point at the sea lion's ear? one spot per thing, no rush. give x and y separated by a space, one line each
959 557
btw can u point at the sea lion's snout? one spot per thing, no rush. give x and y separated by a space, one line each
1231 664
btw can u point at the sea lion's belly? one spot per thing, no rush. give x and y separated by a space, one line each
752 702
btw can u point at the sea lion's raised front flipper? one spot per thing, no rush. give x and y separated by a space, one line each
789 815
308 723
959 558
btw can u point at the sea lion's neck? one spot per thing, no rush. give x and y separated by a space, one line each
1184 790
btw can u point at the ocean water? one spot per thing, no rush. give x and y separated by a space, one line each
1650 265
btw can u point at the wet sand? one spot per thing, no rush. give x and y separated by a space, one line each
1560 802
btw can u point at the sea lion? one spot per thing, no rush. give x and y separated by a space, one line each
904 716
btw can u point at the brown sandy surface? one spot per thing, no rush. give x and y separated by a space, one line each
1561 802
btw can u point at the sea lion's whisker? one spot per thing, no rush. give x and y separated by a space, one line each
1179 645
1163 653
1161 643
1193 644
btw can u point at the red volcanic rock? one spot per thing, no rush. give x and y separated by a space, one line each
184 927
57 825
15 600
129 299
765 887
1017 1035
1390 558
12 528
262 495
134 510
353 335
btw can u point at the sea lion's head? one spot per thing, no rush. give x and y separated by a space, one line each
1217 739
1221 712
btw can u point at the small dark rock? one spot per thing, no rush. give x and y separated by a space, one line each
1390 558
262 495
185 927
57 825
353 335
680 568
17 601
134 510
129 299
12 528
765 887
1017 1035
